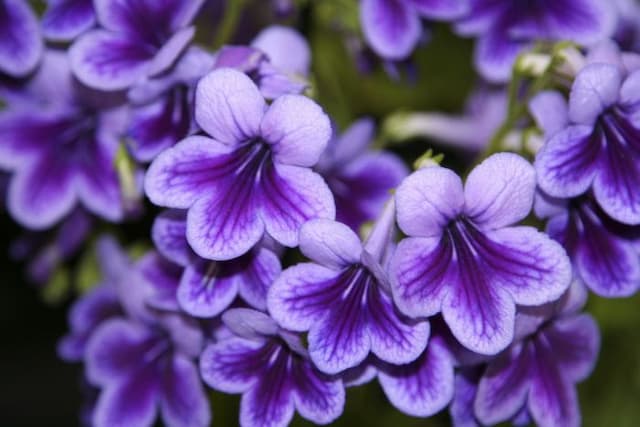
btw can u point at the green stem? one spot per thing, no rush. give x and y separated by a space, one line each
229 22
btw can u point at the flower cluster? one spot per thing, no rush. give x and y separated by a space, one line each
290 260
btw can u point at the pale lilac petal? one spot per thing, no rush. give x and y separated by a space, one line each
250 324
185 172
170 51
461 408
269 403
391 27
550 111
495 54
629 91
183 400
480 315
42 194
427 200
228 365
286 48
109 61
595 89
330 243
420 275
297 130
423 387
298 298
67 19
229 106
20 42
499 191
132 402
575 342
533 268
317 398
115 351
352 143
441 9
502 390
257 275
203 292
169 236
291 196
141 18
162 278
566 164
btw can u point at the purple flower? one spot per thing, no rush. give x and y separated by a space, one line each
45 251
252 175
65 20
506 28
98 305
464 258
20 41
206 287
142 367
163 112
392 27
605 253
538 374
136 39
360 180
60 145
342 298
598 146
271 370
278 61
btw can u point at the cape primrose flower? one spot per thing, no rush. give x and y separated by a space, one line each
65 20
598 146
271 369
136 39
464 259
208 287
342 298
20 41
251 175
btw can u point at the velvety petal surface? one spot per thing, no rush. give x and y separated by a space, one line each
20 42
391 27
183 401
169 236
67 19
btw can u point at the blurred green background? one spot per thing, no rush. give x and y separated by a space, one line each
38 390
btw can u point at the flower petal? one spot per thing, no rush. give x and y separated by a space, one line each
420 275
461 408
132 402
495 54
286 48
595 88
499 191
423 387
203 291
427 200
256 276
391 27
503 388
109 61
66 19
291 196
20 42
181 175
169 236
566 164
330 243
297 129
170 51
183 401
230 365
250 324
269 402
318 398
229 106
550 111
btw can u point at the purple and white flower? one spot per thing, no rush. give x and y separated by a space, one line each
252 175
65 20
464 257
20 40
136 39
343 300
393 28
359 179
506 28
272 371
60 140
206 288
593 142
